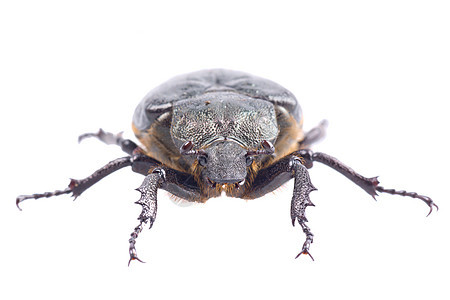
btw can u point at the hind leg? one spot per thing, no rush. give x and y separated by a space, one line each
128 146
314 135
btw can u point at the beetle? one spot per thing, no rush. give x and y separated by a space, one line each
220 131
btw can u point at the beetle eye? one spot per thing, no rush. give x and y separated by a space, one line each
202 160
248 160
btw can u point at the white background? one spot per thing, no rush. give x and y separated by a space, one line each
377 70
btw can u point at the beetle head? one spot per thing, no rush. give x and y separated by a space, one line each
225 161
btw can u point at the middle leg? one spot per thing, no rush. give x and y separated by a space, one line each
368 184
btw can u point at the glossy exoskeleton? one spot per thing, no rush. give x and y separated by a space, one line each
219 131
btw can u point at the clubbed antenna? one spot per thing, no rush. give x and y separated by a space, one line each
187 149
267 149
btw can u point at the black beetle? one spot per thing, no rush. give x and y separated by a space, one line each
216 131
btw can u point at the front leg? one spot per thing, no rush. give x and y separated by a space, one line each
275 175
157 176
148 201
300 201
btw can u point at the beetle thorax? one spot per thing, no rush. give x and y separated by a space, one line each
223 116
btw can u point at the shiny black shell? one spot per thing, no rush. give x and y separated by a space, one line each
162 98
154 116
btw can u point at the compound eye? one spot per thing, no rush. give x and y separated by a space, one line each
248 160
202 160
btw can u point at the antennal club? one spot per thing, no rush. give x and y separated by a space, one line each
187 149
267 149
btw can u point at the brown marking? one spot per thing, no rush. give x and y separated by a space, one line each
290 132
159 145
252 170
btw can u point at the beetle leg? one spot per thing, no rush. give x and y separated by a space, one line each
148 201
22 198
177 183
425 199
370 185
314 135
300 201
128 146
76 187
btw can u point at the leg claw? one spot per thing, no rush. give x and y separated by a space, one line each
133 256
431 207
306 252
